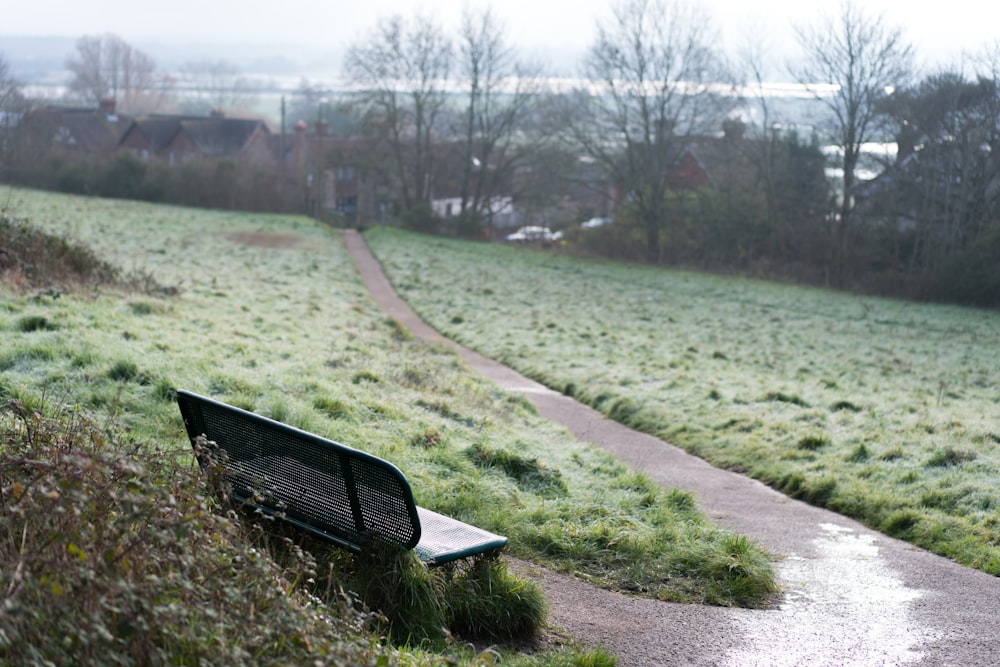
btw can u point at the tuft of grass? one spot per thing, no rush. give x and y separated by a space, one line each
333 408
949 457
365 376
813 442
427 438
530 474
860 454
445 410
31 323
782 397
148 308
126 370
409 599
485 602
900 524
398 331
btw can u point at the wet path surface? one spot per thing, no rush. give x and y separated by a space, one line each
851 596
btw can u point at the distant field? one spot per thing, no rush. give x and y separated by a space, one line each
271 316
882 410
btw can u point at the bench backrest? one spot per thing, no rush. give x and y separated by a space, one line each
336 492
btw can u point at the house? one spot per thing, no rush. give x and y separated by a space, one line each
331 168
75 130
178 139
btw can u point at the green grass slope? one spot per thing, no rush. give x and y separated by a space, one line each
267 312
882 410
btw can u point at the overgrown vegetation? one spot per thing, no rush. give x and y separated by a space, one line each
109 556
272 318
885 411
32 259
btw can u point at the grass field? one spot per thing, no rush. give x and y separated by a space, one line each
882 410
267 312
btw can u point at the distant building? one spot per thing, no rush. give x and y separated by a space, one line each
177 139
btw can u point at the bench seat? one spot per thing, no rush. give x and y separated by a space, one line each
335 492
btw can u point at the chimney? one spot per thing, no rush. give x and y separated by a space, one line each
107 106
733 129
299 147
321 128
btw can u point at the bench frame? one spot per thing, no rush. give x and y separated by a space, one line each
340 494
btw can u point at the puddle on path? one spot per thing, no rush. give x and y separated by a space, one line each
842 606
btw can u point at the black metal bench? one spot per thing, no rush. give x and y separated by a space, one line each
335 492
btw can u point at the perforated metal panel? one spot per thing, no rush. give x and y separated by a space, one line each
324 485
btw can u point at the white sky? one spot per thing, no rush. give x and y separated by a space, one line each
542 28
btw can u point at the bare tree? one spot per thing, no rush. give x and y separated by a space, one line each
215 85
401 69
501 93
654 70
12 105
865 59
107 67
11 88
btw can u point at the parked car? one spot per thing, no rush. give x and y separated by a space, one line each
529 235
595 222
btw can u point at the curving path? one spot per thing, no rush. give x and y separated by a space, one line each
852 596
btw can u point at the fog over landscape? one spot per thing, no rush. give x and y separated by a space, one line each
304 39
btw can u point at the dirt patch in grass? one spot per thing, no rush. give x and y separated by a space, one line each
266 239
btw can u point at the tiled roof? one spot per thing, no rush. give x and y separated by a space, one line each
159 132
220 136
84 129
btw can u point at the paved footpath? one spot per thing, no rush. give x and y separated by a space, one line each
851 596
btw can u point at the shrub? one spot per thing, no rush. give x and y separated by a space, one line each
111 555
